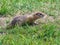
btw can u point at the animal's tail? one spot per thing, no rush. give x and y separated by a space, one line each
11 24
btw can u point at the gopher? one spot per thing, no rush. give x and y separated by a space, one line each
22 19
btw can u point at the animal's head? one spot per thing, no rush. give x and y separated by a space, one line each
39 15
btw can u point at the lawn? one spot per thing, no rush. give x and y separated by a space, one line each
43 34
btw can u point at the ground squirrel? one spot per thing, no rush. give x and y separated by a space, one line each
22 19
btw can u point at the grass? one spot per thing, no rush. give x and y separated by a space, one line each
25 6
44 34
37 35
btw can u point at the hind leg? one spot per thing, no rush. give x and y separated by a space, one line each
19 23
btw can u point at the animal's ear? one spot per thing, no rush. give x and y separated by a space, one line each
39 14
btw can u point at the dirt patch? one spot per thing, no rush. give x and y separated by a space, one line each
45 19
4 21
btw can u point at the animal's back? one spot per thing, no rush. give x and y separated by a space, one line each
19 20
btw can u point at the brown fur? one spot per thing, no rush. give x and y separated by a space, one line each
20 20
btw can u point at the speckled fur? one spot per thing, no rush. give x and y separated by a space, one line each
20 20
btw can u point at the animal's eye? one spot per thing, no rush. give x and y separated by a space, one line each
40 14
